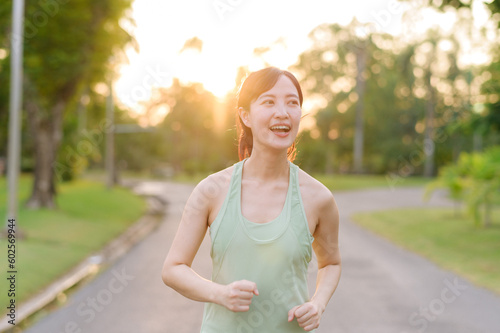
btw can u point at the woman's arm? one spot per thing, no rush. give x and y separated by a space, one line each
326 248
177 272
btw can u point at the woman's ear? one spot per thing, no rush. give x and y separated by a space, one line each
244 115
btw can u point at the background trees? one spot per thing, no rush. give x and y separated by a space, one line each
67 48
375 103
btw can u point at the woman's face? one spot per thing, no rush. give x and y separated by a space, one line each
274 116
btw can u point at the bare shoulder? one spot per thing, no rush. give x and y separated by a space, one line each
313 188
213 189
212 184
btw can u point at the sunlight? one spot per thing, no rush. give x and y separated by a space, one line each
223 45
207 69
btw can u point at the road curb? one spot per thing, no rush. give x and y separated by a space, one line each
90 265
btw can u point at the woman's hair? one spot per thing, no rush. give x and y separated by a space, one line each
253 86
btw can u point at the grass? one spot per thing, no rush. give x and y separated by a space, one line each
342 182
449 240
88 216
339 182
336 182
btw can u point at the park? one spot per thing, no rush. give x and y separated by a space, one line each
112 112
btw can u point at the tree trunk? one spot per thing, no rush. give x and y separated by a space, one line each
361 56
429 145
46 128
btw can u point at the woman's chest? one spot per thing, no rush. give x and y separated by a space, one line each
262 204
265 204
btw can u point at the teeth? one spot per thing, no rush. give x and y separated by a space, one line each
280 127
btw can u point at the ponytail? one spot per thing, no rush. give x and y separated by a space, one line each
245 139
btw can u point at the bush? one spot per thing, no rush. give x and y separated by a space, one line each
475 179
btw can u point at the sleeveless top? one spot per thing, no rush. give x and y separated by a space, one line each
275 255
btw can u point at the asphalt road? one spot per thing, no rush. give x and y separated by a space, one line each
383 288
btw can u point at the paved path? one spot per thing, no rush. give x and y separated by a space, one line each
383 289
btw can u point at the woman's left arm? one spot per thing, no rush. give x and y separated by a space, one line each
326 248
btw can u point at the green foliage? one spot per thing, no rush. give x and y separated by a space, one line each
187 139
493 6
391 112
67 48
490 121
67 63
475 178
67 43
88 217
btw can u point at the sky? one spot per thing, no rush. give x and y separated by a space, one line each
230 31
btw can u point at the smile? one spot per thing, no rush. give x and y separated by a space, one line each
280 128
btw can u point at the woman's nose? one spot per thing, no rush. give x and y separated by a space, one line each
281 111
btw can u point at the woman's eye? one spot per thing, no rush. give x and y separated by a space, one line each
268 101
294 102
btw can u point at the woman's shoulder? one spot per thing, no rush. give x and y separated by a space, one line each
219 178
216 184
310 187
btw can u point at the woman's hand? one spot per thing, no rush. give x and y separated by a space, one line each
308 315
237 295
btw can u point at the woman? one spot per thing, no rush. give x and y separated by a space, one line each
265 215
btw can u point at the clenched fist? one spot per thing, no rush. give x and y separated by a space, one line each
237 295
308 315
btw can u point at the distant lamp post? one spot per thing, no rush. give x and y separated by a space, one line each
16 86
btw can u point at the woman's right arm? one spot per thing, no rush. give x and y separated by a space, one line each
177 272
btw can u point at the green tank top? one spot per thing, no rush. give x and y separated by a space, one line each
275 255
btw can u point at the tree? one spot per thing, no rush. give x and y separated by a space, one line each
187 139
490 123
493 6
345 67
67 46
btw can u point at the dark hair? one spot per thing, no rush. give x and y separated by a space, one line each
253 86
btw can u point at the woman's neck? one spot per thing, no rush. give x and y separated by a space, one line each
266 166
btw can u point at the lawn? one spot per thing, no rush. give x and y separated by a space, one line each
342 182
339 182
444 237
335 182
88 216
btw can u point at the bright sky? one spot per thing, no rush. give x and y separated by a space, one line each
230 31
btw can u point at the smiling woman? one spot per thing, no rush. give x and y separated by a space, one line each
264 91
265 216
